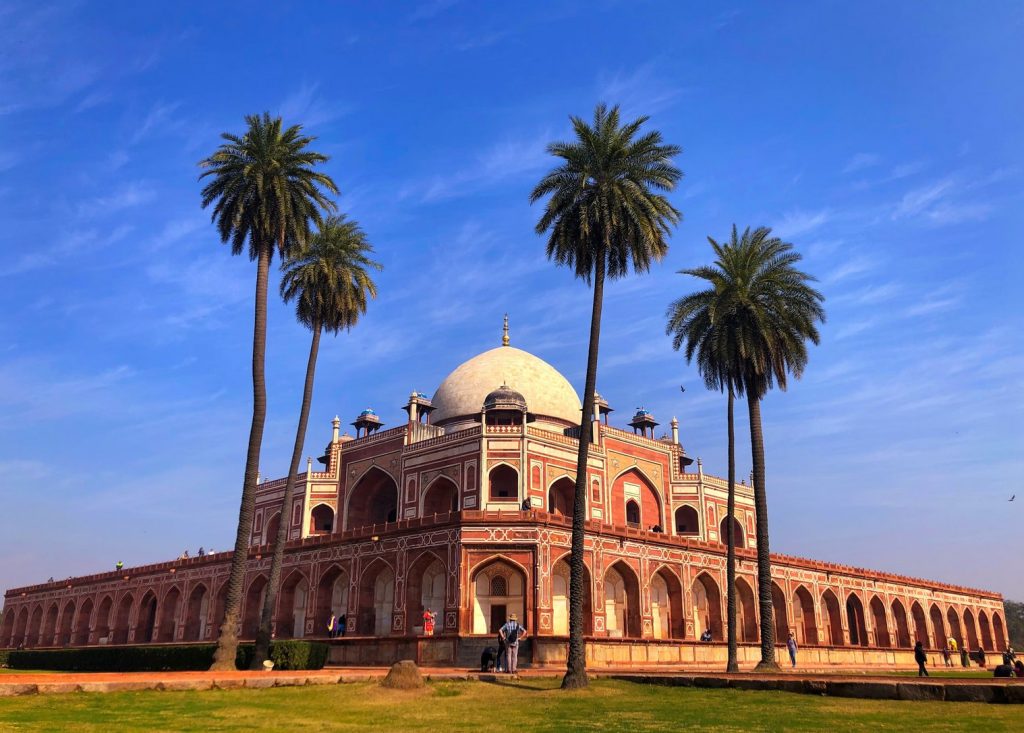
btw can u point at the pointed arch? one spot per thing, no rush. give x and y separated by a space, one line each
899 618
856 620
492 601
986 632
955 630
270 529
102 626
970 630
373 499
122 621
938 627
737 533
331 597
49 630
707 606
833 618
804 616
880 622
67 623
503 483
197 611
291 606
633 485
219 604
920 623
145 622
998 632
376 599
780 614
622 601
252 609
80 634
426 588
562 496
21 628
687 522
169 612
667 604
441 496
321 519
7 630
746 613
560 592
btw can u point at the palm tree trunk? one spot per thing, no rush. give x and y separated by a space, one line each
764 567
266 617
227 643
730 537
576 665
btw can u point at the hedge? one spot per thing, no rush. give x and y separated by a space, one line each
286 655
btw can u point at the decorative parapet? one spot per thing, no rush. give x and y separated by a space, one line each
374 438
574 442
473 432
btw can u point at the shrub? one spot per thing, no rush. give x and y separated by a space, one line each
289 654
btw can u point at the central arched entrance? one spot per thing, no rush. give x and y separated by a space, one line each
373 500
636 502
498 591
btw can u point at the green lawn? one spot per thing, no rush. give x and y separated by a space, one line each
528 705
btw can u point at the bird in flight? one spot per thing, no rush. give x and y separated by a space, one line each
1013 497
682 388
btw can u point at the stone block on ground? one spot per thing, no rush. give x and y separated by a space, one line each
864 690
229 683
921 691
185 685
710 682
12 689
118 686
404 675
259 683
971 693
57 688
323 679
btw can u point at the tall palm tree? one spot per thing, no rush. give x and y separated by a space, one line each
264 191
606 215
771 312
701 321
329 281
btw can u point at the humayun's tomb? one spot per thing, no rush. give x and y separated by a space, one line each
465 508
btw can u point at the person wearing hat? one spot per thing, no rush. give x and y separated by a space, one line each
511 633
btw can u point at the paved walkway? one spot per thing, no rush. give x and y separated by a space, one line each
863 685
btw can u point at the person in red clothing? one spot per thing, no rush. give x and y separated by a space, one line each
428 622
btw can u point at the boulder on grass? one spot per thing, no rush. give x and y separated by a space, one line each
404 675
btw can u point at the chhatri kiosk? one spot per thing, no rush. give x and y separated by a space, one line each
465 508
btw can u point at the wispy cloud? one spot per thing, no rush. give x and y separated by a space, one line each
482 40
853 267
502 161
67 248
430 9
943 202
641 91
159 118
917 200
306 107
860 161
798 222
126 197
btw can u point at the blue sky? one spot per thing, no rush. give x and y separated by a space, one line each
883 139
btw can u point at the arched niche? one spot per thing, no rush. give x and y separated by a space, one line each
499 590
373 500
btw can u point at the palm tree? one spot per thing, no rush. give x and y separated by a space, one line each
770 312
264 191
606 216
701 321
330 284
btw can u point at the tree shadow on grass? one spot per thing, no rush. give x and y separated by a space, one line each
517 684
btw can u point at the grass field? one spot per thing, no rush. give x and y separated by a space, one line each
523 707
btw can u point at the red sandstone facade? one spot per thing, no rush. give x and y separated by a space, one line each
470 515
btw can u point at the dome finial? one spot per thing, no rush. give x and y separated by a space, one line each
504 335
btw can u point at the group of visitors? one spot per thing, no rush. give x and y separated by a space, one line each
506 657
336 625
1011 666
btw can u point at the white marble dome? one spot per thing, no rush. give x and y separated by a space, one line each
547 392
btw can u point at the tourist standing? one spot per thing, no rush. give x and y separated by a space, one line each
947 658
512 632
965 658
791 646
332 626
920 657
428 622
342 624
